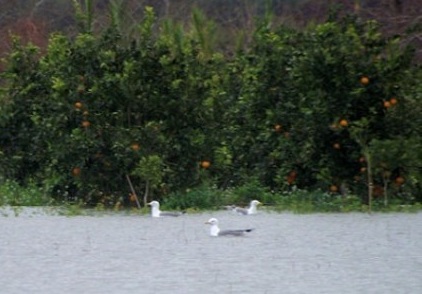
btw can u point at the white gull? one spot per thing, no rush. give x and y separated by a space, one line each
215 230
156 212
252 209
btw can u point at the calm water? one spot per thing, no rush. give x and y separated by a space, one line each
287 253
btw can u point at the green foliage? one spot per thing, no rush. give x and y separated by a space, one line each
157 102
302 201
250 190
84 15
11 193
150 169
201 197
299 86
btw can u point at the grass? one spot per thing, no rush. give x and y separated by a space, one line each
208 197
13 194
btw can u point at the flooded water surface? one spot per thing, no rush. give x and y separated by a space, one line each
286 253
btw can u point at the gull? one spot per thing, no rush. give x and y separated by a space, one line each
156 212
215 230
252 209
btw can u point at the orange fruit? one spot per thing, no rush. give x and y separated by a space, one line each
399 180
86 123
76 171
364 80
205 164
290 179
132 197
363 169
336 146
333 188
393 101
278 128
362 159
85 113
293 174
387 104
344 123
78 105
135 147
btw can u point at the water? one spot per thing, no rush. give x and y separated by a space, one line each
286 253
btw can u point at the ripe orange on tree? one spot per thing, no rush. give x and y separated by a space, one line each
76 171
78 105
205 164
387 104
399 180
334 188
132 197
290 179
277 128
336 145
393 101
364 80
135 147
86 123
344 123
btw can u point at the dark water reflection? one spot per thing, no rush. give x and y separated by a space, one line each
287 253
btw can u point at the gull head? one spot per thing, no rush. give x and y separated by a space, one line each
253 207
212 221
154 204
255 203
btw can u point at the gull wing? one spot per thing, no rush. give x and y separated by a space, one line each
172 213
241 210
234 232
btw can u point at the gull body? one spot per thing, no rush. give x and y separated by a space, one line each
215 230
156 212
252 209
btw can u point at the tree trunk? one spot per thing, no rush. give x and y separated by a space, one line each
369 179
133 191
146 194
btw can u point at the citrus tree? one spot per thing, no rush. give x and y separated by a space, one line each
301 94
84 115
335 107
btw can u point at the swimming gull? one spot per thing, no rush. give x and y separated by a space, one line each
252 209
156 212
215 230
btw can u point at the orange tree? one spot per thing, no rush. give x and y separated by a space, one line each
81 117
288 111
301 92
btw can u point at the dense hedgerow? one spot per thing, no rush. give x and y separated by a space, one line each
334 107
